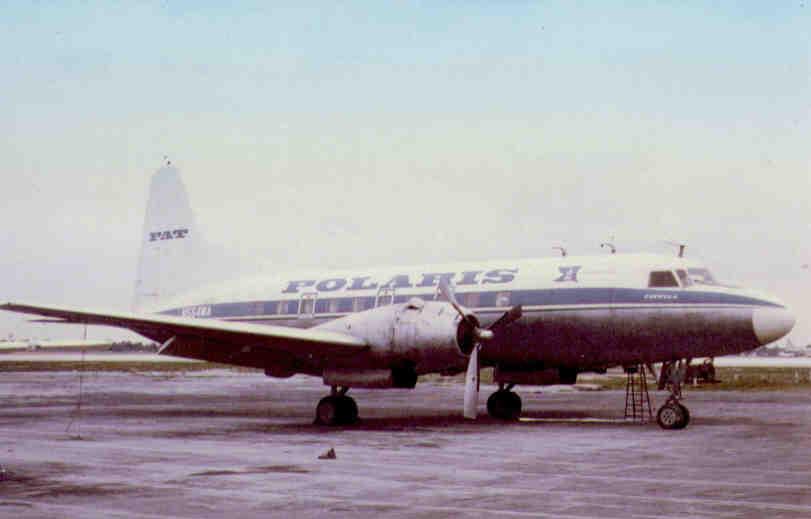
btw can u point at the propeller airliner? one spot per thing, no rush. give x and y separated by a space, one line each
537 321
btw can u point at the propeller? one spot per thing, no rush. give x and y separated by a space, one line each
482 335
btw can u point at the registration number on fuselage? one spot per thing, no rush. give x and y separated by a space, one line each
196 311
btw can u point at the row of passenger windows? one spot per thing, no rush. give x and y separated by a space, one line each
359 304
347 304
309 304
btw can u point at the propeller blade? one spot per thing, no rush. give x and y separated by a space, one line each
447 292
472 385
510 316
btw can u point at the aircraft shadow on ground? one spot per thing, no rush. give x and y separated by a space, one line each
453 421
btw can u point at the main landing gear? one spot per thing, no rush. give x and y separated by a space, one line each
504 404
673 415
337 408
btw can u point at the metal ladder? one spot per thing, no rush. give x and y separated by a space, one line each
638 405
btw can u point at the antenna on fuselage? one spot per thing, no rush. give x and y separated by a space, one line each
562 251
681 247
610 246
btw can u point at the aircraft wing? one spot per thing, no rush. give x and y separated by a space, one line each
210 339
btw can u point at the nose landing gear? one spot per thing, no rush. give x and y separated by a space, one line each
673 415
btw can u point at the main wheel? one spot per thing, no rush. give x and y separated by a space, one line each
671 416
336 410
327 412
515 404
504 405
685 417
347 410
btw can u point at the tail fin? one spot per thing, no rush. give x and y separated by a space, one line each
172 250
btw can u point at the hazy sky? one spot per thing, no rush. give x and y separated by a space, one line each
405 132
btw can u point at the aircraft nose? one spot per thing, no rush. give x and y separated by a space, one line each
770 324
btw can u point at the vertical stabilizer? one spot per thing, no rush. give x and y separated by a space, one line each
172 249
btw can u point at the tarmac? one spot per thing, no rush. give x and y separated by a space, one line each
227 443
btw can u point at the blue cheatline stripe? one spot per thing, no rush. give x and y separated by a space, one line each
541 297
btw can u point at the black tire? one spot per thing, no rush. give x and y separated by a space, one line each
670 417
328 411
504 405
515 405
685 417
495 405
347 410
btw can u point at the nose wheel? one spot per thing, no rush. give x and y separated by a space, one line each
336 409
673 415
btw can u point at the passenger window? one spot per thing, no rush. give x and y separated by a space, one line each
663 278
345 305
363 303
471 300
503 299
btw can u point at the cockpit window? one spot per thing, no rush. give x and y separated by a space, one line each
662 278
702 276
684 278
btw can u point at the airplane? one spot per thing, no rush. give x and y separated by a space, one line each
537 321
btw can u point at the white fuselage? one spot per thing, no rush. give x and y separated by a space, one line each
578 312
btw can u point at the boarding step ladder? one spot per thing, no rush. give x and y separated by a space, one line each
638 406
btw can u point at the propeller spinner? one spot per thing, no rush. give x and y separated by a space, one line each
482 335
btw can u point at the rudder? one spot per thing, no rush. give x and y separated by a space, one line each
171 246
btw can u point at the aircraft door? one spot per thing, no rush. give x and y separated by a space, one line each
385 296
307 305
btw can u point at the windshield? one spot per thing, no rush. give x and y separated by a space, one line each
702 276
685 279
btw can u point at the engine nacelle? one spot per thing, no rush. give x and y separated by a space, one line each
430 335
371 378
540 377
279 371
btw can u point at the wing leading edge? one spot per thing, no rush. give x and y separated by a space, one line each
208 339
